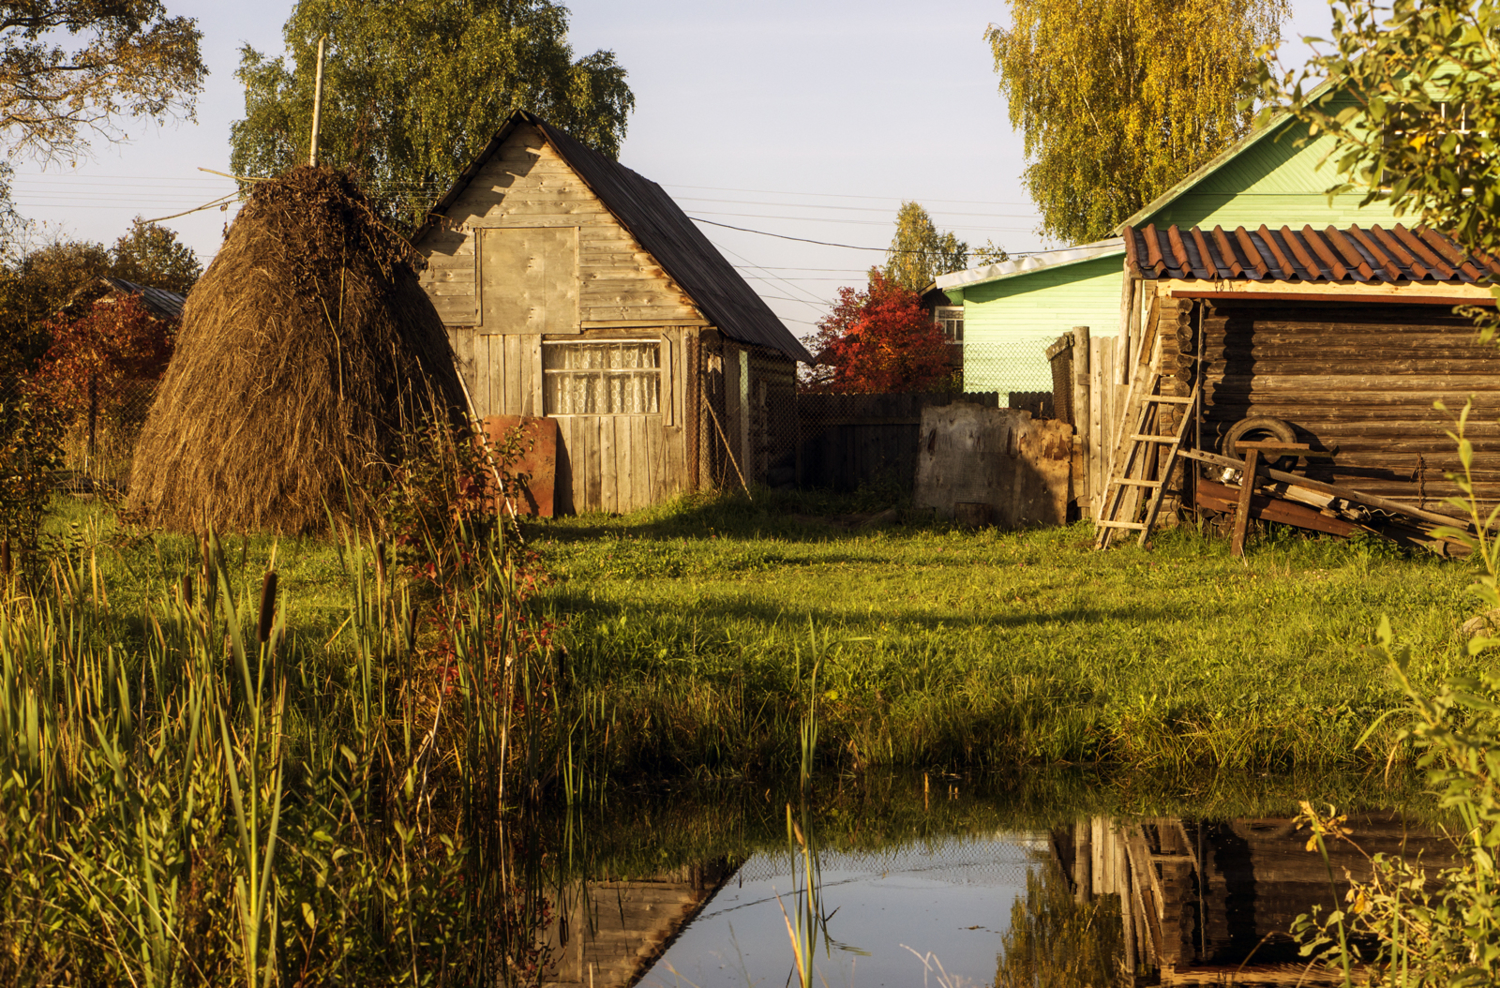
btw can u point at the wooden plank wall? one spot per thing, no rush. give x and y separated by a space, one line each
613 463
848 440
527 185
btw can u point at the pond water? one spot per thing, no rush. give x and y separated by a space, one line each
992 883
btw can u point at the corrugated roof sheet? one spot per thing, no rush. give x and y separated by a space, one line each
663 229
1035 261
1357 254
166 304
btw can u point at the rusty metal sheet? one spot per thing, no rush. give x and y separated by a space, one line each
1353 254
538 462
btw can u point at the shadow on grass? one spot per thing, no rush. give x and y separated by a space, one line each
723 611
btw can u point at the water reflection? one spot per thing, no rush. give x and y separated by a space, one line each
1200 902
998 887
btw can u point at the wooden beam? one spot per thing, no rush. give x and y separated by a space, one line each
1442 293
1242 515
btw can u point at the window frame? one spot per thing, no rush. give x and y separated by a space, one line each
662 386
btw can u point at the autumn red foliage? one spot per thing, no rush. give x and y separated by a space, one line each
117 340
879 340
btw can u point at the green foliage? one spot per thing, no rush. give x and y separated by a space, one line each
1057 941
918 253
69 67
414 89
1444 932
206 782
151 255
1415 111
1117 100
30 451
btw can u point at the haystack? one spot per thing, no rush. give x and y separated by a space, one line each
305 350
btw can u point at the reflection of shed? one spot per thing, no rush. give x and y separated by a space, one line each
1343 337
607 934
574 288
1203 898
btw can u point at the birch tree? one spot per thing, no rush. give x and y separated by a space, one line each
1117 100
918 252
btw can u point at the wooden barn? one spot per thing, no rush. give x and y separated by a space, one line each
574 288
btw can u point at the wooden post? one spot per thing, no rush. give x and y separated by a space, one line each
1242 513
1127 302
312 150
1081 409
1098 451
1083 861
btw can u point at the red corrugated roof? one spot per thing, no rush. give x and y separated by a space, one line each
1354 254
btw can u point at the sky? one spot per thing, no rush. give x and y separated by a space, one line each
810 120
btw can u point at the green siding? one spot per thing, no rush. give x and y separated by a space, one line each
1279 180
1008 324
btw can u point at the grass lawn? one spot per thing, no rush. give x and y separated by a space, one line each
693 630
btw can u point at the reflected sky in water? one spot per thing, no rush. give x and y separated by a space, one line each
950 896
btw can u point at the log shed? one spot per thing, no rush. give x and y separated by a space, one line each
1328 350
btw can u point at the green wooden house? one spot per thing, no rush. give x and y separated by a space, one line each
1014 309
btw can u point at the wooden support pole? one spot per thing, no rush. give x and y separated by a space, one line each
312 150
1242 513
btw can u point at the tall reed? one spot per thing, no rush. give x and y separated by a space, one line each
199 792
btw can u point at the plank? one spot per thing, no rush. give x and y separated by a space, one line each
1242 512
481 381
512 373
609 473
529 278
637 464
563 491
593 498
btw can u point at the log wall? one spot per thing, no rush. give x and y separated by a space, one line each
1361 380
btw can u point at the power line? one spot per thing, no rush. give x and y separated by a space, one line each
816 302
826 219
883 250
843 195
854 209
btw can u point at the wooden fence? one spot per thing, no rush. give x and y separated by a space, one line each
849 440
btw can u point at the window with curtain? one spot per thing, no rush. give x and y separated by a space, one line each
608 377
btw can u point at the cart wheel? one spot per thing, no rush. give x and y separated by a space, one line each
1259 427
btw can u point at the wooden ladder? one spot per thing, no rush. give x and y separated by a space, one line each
1119 506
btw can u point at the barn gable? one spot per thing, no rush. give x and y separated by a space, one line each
639 259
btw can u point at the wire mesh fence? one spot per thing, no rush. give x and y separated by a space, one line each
102 421
843 441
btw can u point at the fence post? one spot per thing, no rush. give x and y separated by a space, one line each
1081 410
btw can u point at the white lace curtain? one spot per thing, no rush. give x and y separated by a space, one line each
602 378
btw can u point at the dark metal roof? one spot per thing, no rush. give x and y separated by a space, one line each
1356 254
663 229
163 303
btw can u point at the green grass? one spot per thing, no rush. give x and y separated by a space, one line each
691 630
695 627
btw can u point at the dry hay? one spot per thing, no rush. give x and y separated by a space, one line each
305 350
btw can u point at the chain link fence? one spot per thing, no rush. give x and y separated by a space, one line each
842 442
102 421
